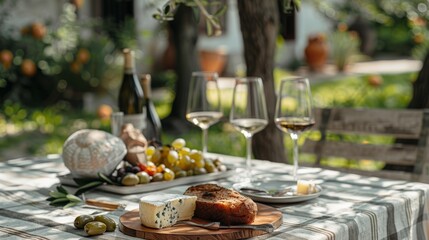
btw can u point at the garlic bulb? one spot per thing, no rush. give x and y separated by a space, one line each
87 152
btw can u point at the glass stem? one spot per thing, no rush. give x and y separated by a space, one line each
294 137
205 130
248 153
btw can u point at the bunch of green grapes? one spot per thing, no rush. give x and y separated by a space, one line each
166 163
177 160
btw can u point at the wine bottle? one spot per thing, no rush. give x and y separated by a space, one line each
153 124
131 96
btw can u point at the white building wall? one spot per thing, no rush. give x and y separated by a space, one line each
152 37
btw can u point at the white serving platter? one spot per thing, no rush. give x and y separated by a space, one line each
153 186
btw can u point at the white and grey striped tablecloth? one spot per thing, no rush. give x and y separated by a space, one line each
350 207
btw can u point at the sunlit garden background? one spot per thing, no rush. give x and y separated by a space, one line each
41 131
47 70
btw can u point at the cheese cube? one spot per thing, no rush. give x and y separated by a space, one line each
304 187
164 210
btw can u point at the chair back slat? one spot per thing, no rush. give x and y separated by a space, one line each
395 154
407 129
398 123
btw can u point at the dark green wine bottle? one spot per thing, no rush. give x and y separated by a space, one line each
153 124
131 96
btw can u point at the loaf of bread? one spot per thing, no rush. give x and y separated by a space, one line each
216 203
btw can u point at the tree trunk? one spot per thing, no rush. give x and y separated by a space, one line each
420 97
184 28
259 22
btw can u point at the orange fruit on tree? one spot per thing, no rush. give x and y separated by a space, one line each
83 55
375 80
78 3
38 30
25 30
419 38
75 67
342 27
104 111
6 57
28 68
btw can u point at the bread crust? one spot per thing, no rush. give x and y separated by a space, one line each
216 203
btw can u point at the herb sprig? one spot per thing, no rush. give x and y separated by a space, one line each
61 197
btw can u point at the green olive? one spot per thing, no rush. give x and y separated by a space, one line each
200 171
180 174
210 167
130 179
143 177
217 162
158 177
80 221
95 228
110 223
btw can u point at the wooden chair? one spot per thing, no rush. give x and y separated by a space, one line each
409 148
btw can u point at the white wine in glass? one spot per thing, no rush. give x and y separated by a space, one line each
204 119
294 112
203 107
248 114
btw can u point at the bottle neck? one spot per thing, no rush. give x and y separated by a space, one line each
129 65
145 80
129 71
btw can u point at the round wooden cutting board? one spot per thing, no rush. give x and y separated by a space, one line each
129 224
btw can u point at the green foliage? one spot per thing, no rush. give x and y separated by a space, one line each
166 13
420 51
401 25
393 91
344 47
122 36
41 131
51 63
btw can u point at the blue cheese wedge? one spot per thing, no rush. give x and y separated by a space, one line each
164 210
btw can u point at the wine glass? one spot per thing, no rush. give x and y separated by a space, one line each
248 113
294 111
203 107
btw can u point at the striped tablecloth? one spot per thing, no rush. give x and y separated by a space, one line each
350 207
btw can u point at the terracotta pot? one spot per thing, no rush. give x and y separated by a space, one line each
78 3
316 52
213 60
